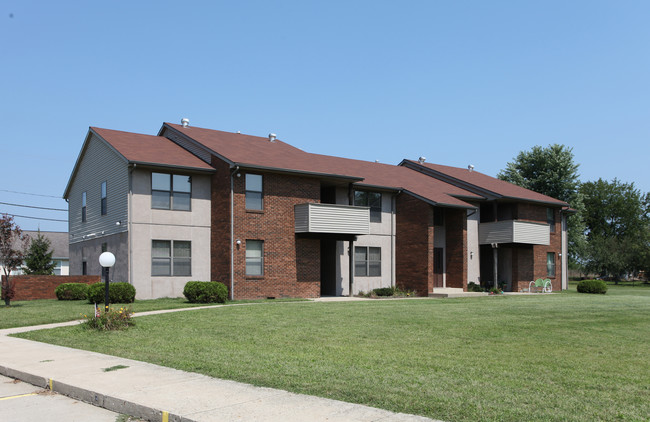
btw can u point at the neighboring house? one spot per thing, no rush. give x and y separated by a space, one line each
270 220
59 248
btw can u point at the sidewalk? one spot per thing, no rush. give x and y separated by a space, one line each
157 393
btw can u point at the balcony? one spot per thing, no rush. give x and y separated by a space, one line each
331 219
514 231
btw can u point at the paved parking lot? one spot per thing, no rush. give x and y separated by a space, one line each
22 402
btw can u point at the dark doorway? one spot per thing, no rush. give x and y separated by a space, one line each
328 267
328 194
438 254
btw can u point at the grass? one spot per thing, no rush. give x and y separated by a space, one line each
563 357
47 311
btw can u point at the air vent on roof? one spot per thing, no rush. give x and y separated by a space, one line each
421 160
470 168
272 137
185 122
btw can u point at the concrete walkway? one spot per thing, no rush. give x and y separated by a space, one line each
157 393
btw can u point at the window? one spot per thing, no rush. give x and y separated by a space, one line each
367 261
84 268
550 264
372 200
83 207
550 218
254 257
171 258
171 191
104 210
254 192
57 266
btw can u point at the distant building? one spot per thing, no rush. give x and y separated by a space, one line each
58 245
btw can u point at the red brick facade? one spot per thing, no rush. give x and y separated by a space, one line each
32 287
291 264
456 245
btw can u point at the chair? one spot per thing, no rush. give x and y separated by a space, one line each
544 285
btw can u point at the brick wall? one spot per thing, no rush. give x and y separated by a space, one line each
414 245
220 240
31 287
456 244
291 265
531 262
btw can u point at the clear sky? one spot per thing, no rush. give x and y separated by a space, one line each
459 82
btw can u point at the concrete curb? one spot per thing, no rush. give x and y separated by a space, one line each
111 403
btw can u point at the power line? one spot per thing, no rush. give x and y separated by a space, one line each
33 194
35 218
31 206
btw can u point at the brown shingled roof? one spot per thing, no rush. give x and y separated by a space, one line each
149 149
255 151
496 186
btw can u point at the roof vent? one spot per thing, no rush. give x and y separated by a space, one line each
470 168
272 137
185 122
421 160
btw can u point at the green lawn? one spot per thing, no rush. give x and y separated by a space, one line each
46 311
562 357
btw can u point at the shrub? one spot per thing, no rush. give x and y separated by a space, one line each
205 291
473 287
592 286
114 319
385 291
71 291
117 293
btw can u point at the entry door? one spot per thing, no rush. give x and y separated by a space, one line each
437 267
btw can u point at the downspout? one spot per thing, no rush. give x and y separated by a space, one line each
232 233
351 247
128 224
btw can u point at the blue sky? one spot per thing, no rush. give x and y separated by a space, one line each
459 82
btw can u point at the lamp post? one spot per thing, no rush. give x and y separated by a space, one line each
106 260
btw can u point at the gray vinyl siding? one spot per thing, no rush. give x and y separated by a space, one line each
329 218
513 231
191 146
98 163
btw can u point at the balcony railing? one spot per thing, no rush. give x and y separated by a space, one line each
331 219
514 231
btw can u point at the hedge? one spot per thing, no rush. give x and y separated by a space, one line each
117 293
71 291
205 291
592 286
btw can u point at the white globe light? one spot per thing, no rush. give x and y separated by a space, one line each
106 259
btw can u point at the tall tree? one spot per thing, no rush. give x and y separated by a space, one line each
13 244
39 257
552 171
617 218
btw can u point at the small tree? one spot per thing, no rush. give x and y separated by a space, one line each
38 260
12 251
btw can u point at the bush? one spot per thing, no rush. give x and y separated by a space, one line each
592 286
117 293
205 291
385 291
71 291
473 287
114 319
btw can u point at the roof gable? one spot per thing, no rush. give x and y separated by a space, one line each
479 182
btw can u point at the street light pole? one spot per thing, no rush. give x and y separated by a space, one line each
106 260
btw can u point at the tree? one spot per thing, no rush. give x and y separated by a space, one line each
551 171
617 218
12 251
39 257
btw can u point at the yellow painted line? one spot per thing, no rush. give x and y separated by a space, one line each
165 416
18 396
51 384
